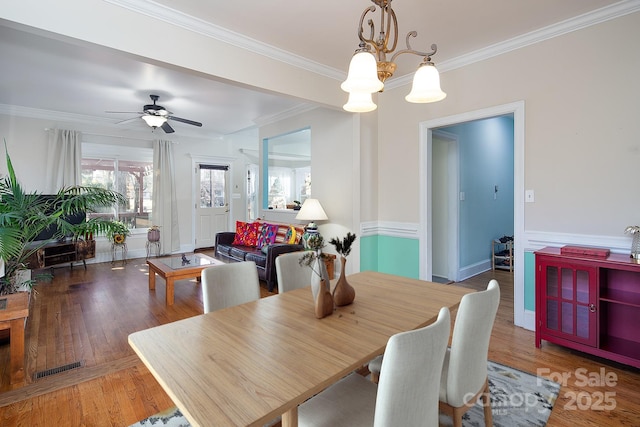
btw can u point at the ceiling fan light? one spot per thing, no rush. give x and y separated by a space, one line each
154 121
426 85
359 102
363 74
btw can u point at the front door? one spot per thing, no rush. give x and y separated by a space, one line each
212 205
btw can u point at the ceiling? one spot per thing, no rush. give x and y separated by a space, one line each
48 77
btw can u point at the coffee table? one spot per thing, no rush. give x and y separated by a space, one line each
179 267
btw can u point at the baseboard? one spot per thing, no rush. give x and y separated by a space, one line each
473 270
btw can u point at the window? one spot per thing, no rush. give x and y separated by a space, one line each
130 174
212 186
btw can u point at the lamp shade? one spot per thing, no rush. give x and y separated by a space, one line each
426 85
154 121
359 102
311 210
363 74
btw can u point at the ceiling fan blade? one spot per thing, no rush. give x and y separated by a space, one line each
166 127
189 122
124 112
127 120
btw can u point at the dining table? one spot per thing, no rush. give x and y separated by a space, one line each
249 364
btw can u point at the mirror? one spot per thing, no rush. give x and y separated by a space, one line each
286 170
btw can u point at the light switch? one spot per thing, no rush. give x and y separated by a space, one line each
529 196
462 196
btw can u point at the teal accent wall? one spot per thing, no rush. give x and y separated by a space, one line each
529 281
392 255
369 253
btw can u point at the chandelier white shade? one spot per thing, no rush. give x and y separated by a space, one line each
426 85
360 102
154 121
369 67
363 74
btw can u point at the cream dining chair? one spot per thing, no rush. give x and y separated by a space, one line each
401 398
464 374
230 284
291 275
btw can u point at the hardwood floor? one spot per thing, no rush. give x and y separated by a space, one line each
86 316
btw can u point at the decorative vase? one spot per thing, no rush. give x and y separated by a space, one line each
635 246
119 239
320 289
323 304
319 273
343 293
153 235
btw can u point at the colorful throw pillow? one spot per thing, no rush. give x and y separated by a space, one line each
246 233
290 237
267 235
281 234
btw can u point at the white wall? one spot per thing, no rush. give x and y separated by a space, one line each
581 129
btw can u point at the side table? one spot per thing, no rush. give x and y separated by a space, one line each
14 310
114 250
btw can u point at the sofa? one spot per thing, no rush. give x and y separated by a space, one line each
260 242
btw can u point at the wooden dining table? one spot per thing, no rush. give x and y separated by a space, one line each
248 364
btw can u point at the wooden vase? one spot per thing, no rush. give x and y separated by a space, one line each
343 293
324 301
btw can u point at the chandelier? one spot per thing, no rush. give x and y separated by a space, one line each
369 68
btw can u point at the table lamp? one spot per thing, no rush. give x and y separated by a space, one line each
311 210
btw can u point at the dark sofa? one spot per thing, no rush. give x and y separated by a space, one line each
266 263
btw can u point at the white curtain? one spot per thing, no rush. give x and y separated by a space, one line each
64 160
165 207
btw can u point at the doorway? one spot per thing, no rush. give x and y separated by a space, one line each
426 192
212 203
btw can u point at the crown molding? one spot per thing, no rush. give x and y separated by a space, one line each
175 17
196 25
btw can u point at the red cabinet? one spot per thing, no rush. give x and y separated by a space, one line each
589 304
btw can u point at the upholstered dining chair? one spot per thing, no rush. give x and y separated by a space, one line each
464 373
401 398
290 274
230 284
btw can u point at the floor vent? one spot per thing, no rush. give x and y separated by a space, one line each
57 370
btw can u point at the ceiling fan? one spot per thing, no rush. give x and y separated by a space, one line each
156 116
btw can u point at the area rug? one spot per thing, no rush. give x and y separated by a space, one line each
517 399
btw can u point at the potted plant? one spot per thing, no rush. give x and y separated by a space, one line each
320 284
25 215
343 293
117 232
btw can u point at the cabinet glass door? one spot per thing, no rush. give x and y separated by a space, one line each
569 303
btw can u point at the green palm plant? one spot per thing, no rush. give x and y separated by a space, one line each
24 215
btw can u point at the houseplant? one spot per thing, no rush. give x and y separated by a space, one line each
343 293
25 215
320 284
117 232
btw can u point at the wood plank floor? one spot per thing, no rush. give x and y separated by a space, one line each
86 316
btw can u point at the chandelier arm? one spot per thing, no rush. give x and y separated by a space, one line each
428 55
391 19
361 27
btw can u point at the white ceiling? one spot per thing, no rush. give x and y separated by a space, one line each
43 76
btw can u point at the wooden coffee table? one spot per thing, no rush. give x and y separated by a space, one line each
176 268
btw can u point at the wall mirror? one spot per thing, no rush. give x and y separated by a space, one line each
286 169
